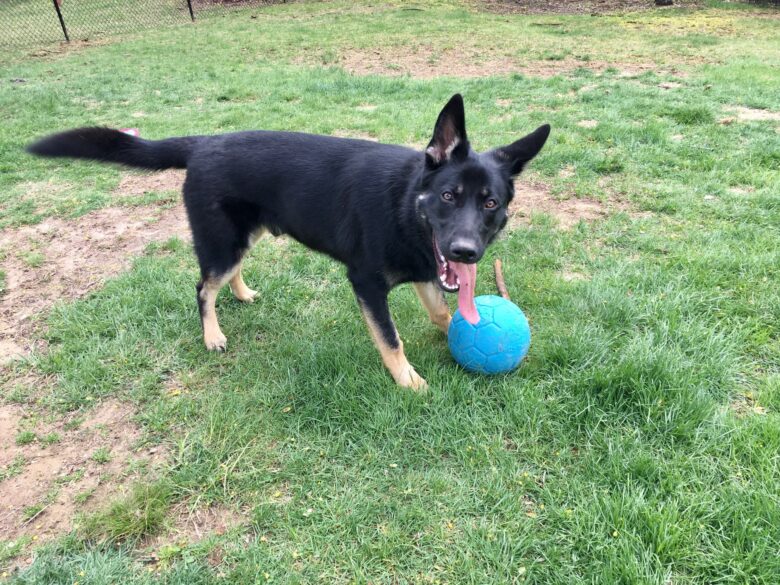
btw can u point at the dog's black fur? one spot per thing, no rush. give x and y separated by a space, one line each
376 208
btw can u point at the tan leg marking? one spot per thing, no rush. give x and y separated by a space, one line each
394 359
237 285
433 300
240 290
213 337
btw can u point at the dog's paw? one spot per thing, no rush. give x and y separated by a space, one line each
411 379
247 295
216 342
243 293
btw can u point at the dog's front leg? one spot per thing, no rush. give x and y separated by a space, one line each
371 293
433 300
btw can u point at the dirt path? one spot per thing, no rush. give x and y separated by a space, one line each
60 260
65 467
428 63
577 6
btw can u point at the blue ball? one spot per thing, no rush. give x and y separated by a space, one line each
497 343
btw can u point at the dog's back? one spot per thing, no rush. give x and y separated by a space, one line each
323 191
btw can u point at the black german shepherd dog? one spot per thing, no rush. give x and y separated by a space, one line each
389 213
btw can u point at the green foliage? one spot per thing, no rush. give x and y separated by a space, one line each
139 514
50 439
25 438
14 468
101 455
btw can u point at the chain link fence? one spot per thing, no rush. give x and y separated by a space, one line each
34 23
37 23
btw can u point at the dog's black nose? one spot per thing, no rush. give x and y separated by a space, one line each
464 251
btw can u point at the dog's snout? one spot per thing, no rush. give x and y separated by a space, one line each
464 251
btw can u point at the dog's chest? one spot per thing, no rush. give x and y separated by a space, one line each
410 269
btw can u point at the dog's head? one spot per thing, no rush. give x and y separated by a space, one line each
465 195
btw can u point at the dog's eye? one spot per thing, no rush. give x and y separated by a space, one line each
447 196
491 203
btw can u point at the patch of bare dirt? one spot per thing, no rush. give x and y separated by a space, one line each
341 133
741 190
574 6
746 405
744 114
566 172
428 62
10 351
61 259
534 197
139 184
573 275
240 2
59 475
186 526
65 47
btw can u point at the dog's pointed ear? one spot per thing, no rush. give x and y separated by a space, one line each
449 134
515 156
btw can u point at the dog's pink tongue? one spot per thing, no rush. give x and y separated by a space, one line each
467 275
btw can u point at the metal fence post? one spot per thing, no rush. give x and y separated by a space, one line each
62 22
192 14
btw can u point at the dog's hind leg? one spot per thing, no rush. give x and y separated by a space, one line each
222 232
432 299
240 290
372 297
237 285
208 289
220 262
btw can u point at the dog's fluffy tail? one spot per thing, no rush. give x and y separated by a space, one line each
107 145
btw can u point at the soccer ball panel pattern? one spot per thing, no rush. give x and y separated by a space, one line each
497 343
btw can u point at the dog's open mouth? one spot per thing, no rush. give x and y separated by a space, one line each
460 277
448 277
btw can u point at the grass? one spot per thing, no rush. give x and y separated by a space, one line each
10 549
34 259
83 497
101 455
141 513
50 439
14 468
613 455
25 438
31 512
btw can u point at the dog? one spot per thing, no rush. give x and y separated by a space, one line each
389 213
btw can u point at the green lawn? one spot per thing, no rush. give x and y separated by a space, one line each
637 444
